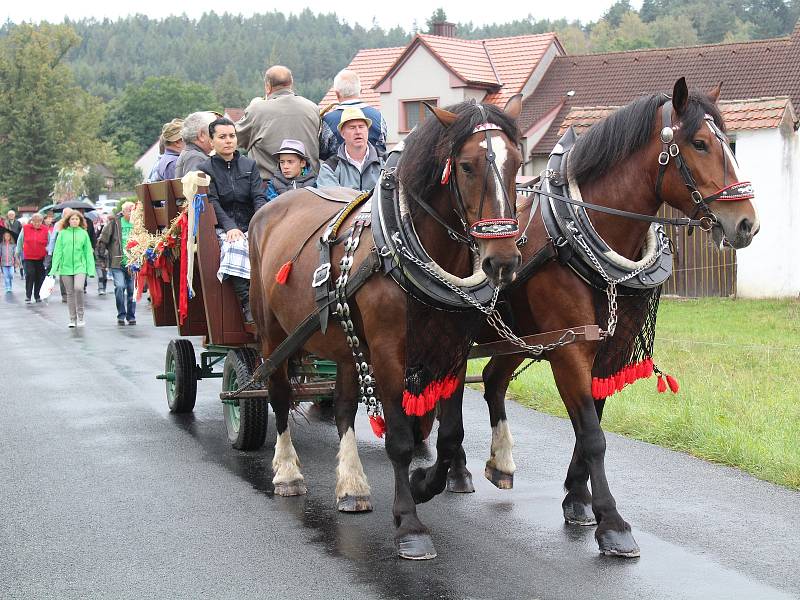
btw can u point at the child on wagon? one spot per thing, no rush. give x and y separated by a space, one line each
294 171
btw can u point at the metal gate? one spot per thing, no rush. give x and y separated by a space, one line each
700 268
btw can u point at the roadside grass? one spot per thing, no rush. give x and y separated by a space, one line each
738 365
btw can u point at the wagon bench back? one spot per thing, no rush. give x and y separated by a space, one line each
214 311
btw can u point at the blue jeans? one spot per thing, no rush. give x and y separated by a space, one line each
123 284
8 277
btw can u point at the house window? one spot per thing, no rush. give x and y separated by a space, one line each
414 113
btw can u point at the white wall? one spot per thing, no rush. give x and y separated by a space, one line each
770 266
421 76
147 160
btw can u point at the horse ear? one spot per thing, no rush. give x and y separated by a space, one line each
680 96
445 117
713 95
513 107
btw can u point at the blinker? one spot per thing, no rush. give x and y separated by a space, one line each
667 135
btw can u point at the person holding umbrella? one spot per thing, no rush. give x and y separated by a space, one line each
73 262
8 257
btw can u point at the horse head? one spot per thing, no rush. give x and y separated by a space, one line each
706 182
471 177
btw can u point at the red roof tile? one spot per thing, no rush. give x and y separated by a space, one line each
370 65
502 65
754 113
234 114
756 69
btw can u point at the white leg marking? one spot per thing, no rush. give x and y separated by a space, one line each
350 477
502 444
285 463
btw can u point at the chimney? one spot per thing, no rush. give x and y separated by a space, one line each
444 29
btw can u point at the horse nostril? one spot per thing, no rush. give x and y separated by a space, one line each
745 227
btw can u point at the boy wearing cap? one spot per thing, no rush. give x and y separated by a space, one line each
356 163
173 144
294 172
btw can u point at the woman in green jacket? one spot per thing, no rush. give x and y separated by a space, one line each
73 261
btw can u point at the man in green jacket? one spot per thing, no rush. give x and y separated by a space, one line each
114 239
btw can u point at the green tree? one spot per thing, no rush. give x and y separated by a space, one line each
228 90
669 31
614 14
438 16
573 39
46 120
141 110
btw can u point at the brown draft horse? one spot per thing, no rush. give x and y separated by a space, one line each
616 164
378 309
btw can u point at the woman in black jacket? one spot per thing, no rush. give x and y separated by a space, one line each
236 193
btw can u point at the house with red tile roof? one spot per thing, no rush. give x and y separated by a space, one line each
760 104
441 69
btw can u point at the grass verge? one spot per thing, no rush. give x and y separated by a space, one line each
738 364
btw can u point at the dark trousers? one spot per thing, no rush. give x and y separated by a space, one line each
34 277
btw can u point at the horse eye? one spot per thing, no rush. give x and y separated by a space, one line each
699 145
466 167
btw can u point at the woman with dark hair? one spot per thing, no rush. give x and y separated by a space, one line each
236 193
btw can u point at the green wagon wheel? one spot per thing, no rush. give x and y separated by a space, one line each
245 423
180 375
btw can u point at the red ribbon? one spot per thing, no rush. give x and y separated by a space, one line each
183 295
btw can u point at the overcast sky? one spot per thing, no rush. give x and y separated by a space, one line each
386 13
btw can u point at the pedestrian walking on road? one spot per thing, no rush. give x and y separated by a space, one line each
113 240
73 262
32 245
8 259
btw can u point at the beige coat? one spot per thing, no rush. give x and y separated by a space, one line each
266 123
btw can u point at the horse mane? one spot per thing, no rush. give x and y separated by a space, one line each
630 129
428 147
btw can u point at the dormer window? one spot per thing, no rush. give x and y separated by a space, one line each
413 112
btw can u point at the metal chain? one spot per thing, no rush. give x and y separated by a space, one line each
487 309
496 321
611 290
366 377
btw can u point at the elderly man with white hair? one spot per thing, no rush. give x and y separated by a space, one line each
347 85
198 142
114 239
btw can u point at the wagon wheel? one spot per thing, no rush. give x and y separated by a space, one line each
246 423
180 374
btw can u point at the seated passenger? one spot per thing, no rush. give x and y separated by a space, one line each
196 140
294 170
236 194
173 145
356 163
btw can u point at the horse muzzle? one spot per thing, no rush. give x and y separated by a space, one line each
738 236
500 270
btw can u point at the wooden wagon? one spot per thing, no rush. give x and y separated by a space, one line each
215 315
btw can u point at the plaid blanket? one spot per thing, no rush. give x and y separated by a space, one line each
234 258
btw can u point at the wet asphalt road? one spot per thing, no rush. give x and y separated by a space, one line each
104 494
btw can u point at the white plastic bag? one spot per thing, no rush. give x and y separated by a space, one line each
47 287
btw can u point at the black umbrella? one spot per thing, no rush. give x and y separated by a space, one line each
76 204
14 234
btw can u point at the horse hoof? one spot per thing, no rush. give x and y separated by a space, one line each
354 504
416 546
504 481
618 543
578 513
460 483
291 488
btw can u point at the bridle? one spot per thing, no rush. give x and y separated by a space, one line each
742 190
482 228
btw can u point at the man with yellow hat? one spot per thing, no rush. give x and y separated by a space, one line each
356 163
173 144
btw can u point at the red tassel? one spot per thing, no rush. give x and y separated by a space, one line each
378 425
595 388
661 385
673 384
619 380
448 388
283 273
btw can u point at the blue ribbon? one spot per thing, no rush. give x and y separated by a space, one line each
199 207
